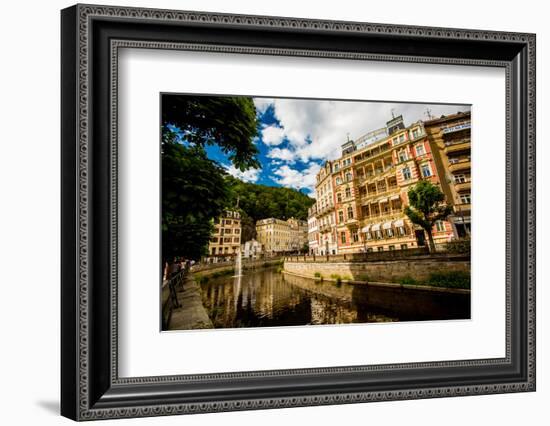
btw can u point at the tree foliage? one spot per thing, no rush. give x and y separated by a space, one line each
427 206
194 191
227 121
261 201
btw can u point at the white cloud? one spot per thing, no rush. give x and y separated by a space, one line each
316 129
284 154
250 175
272 135
292 178
262 104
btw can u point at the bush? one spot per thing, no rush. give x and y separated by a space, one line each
338 279
452 279
460 246
317 275
407 279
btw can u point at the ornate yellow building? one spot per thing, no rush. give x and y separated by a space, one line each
450 137
278 235
361 196
226 239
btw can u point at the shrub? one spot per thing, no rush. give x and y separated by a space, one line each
451 279
407 279
338 279
460 246
317 275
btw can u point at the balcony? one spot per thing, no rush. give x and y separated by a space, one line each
463 186
463 208
325 228
460 165
324 210
463 145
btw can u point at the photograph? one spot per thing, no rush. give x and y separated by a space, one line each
301 212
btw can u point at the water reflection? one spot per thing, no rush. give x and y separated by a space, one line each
264 297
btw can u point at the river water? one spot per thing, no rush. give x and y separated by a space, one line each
265 297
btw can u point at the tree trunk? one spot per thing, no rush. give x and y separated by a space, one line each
431 240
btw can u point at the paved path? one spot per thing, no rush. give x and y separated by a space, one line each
191 315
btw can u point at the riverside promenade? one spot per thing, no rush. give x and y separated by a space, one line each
182 305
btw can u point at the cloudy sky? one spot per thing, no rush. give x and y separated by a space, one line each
298 135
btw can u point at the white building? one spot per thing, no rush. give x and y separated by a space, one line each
313 230
252 249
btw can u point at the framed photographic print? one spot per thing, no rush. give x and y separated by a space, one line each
263 212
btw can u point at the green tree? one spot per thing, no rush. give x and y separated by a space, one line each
227 121
427 206
194 191
194 188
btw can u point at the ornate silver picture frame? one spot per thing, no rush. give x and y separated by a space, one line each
91 38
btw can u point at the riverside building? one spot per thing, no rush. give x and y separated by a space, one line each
226 239
450 137
278 236
362 195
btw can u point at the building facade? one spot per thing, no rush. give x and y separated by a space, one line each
313 230
450 137
325 217
226 239
278 236
252 249
363 194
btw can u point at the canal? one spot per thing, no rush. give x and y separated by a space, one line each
266 297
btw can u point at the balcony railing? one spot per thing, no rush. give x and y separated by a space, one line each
463 186
460 165
323 210
457 146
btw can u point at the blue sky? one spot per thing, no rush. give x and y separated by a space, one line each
297 136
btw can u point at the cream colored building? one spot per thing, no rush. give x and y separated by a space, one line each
277 236
226 239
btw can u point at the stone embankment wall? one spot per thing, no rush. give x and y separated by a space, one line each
381 271
212 268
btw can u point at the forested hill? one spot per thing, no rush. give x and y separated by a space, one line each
261 201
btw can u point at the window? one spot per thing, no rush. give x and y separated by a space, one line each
440 226
336 167
395 141
237 231
339 197
426 171
403 246
347 161
343 237
348 192
348 177
415 133
406 173
401 137
369 250
214 239
369 236
341 216
338 180
355 236
402 156
378 235
236 239
227 240
213 250
461 178
465 198
420 150
389 233
391 248
350 212
402 231
228 230
380 248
